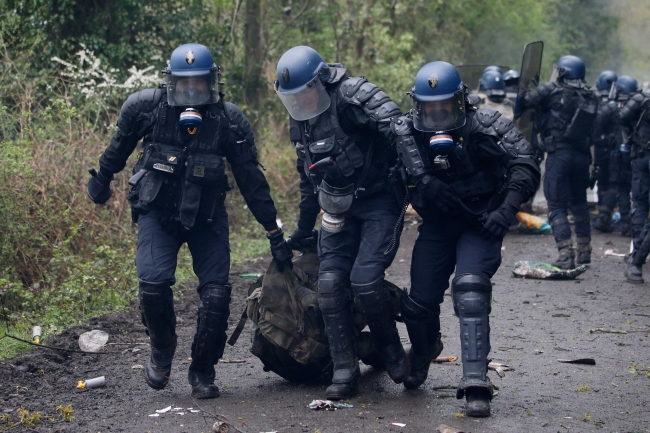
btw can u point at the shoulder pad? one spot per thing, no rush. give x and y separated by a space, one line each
487 116
144 101
402 125
238 122
639 97
363 94
350 85
475 99
337 73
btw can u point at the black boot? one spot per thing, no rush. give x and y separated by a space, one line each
376 304
583 250
634 269
423 326
157 309
566 260
604 220
336 306
472 295
209 340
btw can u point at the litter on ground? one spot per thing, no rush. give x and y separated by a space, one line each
545 271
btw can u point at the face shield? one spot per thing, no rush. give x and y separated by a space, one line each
192 90
305 102
440 115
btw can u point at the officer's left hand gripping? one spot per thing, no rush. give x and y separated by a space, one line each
498 222
300 239
99 186
280 249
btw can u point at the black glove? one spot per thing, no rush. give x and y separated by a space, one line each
280 249
300 238
438 193
99 186
498 222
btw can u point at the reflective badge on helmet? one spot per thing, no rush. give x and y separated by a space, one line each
189 57
163 167
441 142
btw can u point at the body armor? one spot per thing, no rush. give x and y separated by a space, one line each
183 174
339 165
566 115
481 183
635 119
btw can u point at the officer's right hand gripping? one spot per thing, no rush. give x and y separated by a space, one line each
438 193
280 249
300 239
99 186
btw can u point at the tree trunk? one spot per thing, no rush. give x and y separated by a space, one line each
254 90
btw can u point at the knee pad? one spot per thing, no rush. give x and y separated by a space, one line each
411 310
472 295
373 297
556 220
215 298
333 292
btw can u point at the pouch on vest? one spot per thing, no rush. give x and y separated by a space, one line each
206 170
322 148
335 201
349 159
582 121
149 188
164 158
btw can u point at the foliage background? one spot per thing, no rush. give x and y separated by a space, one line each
67 65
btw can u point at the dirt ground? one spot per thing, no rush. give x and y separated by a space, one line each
534 323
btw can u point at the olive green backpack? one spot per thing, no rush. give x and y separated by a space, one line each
288 333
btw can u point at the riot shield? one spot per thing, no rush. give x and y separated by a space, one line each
531 65
471 75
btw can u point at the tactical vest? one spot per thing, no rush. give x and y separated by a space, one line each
332 157
184 178
477 183
641 132
575 119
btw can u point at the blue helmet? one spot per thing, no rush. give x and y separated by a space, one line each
511 78
605 81
192 78
301 72
438 98
570 68
625 86
493 68
493 85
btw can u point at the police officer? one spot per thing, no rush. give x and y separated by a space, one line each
492 94
178 196
340 126
566 113
635 121
472 170
616 162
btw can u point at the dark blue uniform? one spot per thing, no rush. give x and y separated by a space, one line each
564 137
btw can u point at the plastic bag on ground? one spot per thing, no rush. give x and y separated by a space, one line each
533 224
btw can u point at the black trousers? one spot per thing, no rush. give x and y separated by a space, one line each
640 192
442 247
565 187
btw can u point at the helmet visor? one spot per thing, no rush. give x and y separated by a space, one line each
438 116
192 90
307 101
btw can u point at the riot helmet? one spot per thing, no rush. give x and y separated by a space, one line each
625 87
301 72
605 81
493 86
493 68
192 78
569 70
511 78
438 98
